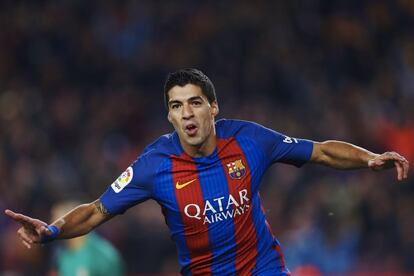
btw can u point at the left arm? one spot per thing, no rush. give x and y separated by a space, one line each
342 155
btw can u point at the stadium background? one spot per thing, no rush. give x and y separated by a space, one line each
81 95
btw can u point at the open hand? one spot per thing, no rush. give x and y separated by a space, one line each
32 229
389 160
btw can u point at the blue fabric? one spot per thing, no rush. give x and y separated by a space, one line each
151 177
54 232
221 233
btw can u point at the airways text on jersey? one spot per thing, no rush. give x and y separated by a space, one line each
220 208
211 204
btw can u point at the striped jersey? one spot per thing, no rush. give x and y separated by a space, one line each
211 204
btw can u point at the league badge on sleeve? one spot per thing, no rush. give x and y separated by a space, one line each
236 169
123 180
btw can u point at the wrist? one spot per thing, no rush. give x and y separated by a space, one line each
54 232
370 159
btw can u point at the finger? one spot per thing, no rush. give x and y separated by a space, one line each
42 230
30 235
372 163
28 222
28 245
24 236
19 217
390 156
26 240
396 156
399 170
10 213
377 164
405 165
390 159
403 162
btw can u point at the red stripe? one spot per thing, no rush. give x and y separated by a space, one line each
277 247
282 260
245 232
196 233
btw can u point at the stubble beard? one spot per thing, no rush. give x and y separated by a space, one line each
197 141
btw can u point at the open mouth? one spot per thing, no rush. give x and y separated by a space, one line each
191 129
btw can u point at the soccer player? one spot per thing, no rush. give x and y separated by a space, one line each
206 176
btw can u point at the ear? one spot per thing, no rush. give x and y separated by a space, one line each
169 118
214 108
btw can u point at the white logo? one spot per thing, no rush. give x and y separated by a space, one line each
123 180
224 208
289 140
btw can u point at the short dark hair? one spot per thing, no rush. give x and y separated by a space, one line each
183 77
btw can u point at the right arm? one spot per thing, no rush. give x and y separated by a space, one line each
129 189
79 221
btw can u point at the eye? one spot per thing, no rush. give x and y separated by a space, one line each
175 106
196 103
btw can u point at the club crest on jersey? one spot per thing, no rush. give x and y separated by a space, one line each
123 180
236 169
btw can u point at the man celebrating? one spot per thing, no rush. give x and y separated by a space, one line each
206 176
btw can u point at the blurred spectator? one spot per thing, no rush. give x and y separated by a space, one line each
86 255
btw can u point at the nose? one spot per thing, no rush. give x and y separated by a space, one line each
187 111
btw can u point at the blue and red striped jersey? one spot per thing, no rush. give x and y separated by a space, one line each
211 204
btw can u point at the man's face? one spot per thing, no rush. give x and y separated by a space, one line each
192 116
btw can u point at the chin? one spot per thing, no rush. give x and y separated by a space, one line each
194 141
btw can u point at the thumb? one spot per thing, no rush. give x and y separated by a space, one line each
375 163
44 230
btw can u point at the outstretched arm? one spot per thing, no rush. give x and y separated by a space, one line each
77 222
342 155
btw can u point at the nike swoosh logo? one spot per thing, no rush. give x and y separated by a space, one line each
180 186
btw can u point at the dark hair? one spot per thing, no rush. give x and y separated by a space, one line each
183 77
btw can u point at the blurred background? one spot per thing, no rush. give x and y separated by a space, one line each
81 94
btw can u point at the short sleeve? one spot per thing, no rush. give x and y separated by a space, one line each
276 146
133 186
281 148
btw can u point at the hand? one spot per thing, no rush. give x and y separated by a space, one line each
389 160
32 229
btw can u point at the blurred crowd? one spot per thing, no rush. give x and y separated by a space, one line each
81 94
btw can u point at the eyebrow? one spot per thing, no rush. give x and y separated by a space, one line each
189 99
